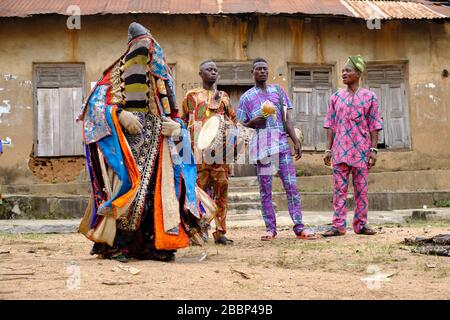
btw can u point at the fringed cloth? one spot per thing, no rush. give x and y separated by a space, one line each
140 189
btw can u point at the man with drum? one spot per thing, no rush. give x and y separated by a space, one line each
263 108
199 105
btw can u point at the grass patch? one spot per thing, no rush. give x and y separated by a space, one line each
9 175
253 262
442 203
442 272
440 223
282 260
25 236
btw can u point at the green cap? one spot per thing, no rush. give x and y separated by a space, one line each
357 62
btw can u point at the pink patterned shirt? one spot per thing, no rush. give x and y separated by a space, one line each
352 116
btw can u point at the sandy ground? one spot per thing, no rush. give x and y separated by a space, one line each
46 267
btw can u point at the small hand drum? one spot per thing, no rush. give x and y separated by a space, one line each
300 137
218 135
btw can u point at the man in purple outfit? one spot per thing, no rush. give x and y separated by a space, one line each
269 147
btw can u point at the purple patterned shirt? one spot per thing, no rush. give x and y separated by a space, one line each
273 138
352 116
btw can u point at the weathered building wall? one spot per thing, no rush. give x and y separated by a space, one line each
188 39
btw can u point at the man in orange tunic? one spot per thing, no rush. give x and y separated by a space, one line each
199 105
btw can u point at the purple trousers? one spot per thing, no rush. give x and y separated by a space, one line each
341 176
287 173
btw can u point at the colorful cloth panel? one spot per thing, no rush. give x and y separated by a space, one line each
185 169
159 67
111 150
95 126
135 76
115 149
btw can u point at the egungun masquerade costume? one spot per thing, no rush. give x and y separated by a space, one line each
145 203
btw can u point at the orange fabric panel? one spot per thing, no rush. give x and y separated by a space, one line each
165 241
130 164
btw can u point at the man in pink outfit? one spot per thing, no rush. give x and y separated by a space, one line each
352 122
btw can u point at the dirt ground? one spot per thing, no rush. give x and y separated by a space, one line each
350 267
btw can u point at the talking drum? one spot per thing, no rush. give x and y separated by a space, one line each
219 136
300 137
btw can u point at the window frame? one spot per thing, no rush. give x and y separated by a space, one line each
331 67
404 65
35 87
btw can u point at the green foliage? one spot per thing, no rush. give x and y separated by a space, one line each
8 175
443 203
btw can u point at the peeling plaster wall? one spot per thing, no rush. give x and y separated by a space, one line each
188 40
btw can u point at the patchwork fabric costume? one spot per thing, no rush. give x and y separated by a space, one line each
145 202
212 178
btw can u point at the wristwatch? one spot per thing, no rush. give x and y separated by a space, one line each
328 150
374 150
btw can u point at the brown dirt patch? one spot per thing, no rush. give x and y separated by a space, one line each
36 267
57 170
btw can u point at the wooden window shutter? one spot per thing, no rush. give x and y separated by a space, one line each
59 96
235 73
388 83
304 114
311 89
397 117
322 100
377 89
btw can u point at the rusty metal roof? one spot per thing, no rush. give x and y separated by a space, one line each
393 10
419 9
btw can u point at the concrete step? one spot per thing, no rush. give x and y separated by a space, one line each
42 207
44 189
242 189
243 196
66 207
244 181
397 181
249 214
244 205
